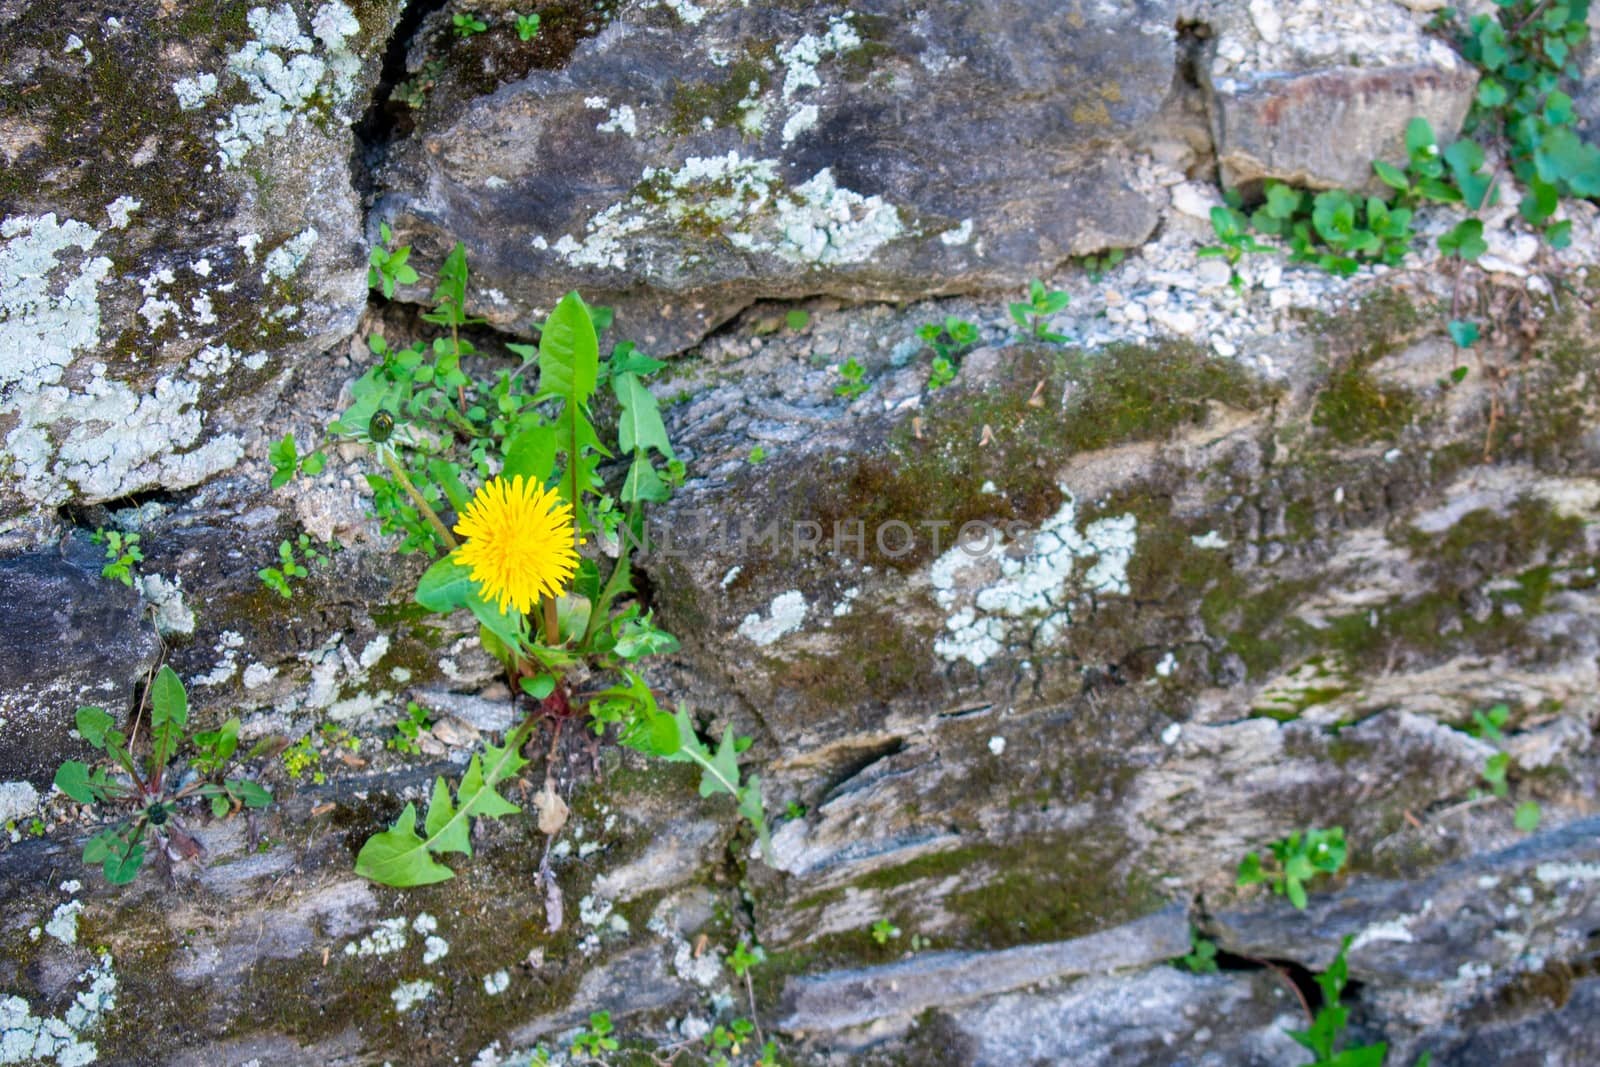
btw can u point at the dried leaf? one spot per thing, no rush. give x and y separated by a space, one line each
552 809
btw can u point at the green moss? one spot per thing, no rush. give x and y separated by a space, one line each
1053 889
1354 408
1013 435
719 100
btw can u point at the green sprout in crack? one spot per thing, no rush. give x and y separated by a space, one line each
122 552
1295 860
527 27
852 386
147 802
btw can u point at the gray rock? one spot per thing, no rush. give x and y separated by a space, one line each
897 992
1323 128
67 637
179 225
678 172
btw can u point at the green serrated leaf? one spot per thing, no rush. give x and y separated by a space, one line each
93 723
400 857
639 427
531 453
72 778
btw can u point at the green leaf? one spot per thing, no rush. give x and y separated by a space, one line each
1491 94
569 353
1463 333
106 843
540 687
1250 872
626 360
531 452
252 794
643 483
216 746
169 713
445 586
1391 176
93 724
124 868
1527 816
639 427
313 464
1465 158
401 857
72 778
1419 137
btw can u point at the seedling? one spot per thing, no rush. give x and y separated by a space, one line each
1230 227
1297 858
527 26
1099 266
884 931
386 268
409 730
1202 957
465 24
758 456
797 319
287 461
596 1038
1322 1037
1486 726
852 386
144 806
290 569
122 552
1032 314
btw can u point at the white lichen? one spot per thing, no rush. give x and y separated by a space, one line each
194 92
283 261
800 59
120 210
172 616
257 675
784 616
285 76
98 439
63 924
29 1038
803 119
496 983
1026 594
17 799
621 120
388 938
408 995
434 949
960 235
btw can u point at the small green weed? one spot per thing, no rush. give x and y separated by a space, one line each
386 266
122 552
884 931
527 27
413 93
758 456
287 461
1322 1037
1486 726
1231 228
852 386
1099 266
409 730
596 1038
949 340
289 568
1202 957
465 24
143 803
1033 314
1297 859
797 319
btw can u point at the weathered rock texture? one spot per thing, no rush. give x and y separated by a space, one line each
177 230
680 166
1208 592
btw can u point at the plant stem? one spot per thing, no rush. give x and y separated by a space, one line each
552 627
400 475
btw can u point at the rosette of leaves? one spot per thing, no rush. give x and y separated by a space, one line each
144 805
441 430
1296 860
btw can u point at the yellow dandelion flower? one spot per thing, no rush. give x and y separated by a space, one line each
519 542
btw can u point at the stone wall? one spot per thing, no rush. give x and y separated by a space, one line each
1273 548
